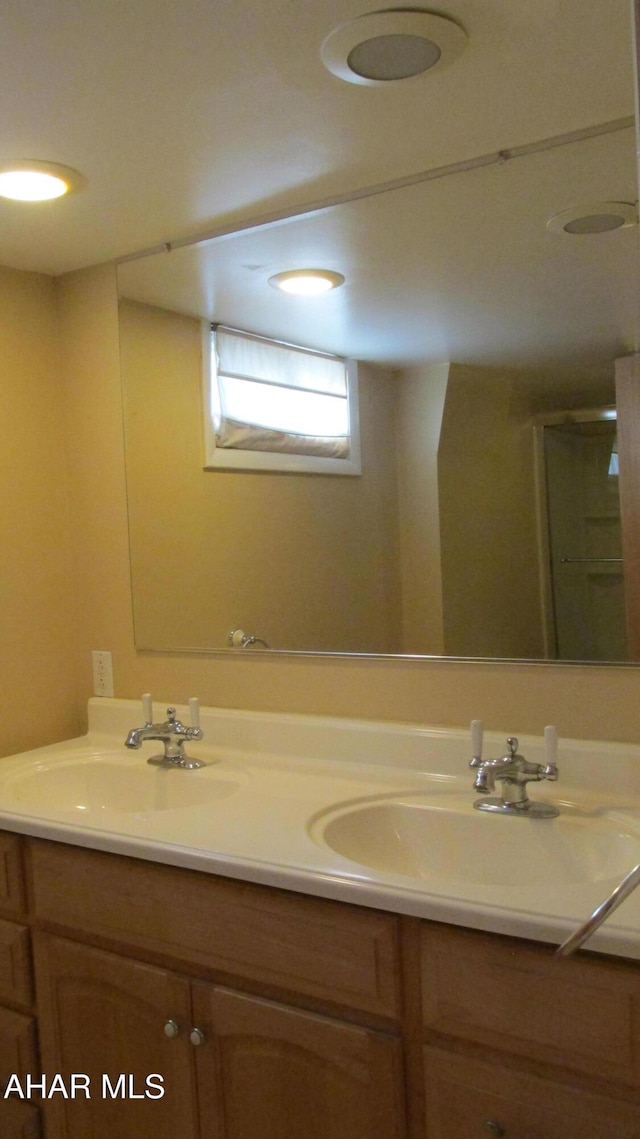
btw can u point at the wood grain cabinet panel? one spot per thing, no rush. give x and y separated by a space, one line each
306 945
105 1015
516 997
18 1046
19 1120
274 1072
15 963
12 892
469 1099
18 1038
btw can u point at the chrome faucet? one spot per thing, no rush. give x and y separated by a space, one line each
172 733
513 771
238 639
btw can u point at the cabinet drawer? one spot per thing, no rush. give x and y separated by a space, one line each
15 963
518 997
470 1099
12 896
305 945
18 1047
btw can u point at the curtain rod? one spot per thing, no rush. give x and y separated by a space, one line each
294 213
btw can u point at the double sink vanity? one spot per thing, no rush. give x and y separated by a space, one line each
313 936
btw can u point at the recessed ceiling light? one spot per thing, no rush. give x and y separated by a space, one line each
306 282
598 217
31 180
384 47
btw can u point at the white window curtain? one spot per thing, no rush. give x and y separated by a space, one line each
274 397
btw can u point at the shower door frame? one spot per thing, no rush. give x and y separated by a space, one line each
543 545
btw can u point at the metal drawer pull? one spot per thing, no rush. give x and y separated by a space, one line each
498 1130
196 1037
572 561
171 1029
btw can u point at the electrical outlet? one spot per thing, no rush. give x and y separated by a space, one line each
102 673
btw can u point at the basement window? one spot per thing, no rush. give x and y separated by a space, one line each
272 406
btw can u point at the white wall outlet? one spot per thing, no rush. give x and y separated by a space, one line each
102 673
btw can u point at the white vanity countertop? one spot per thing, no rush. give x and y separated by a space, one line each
256 812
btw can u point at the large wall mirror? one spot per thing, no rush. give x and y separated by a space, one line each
485 522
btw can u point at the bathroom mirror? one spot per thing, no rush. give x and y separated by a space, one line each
478 329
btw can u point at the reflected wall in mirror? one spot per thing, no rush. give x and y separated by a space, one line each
470 320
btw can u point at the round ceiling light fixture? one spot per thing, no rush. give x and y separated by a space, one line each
598 217
385 47
306 282
31 180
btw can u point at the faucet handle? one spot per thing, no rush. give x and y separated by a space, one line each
551 744
512 745
477 732
551 752
147 708
194 709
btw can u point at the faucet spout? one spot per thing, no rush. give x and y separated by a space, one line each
137 736
173 734
513 771
485 781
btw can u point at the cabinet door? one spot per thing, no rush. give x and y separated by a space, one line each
105 1016
268 1071
471 1099
19 1120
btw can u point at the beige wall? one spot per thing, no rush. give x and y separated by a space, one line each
491 592
420 403
38 658
588 701
300 560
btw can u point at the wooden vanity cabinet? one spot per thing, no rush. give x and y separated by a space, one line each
18 1038
274 1015
238 1066
239 1062
520 1044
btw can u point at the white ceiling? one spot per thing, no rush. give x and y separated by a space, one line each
185 117
462 268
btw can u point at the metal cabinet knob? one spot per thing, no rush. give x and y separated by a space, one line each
196 1037
494 1128
171 1029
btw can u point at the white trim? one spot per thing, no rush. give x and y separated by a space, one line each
542 543
579 415
553 419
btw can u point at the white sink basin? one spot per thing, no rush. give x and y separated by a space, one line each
95 786
454 844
